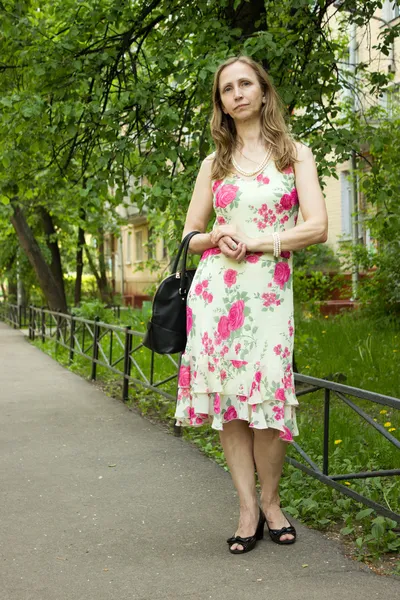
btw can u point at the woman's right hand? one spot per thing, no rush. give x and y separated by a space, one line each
231 249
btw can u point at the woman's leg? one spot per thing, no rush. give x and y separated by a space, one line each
237 443
269 456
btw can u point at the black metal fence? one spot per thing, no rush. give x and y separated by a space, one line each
115 348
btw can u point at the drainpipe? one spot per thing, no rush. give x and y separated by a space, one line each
353 162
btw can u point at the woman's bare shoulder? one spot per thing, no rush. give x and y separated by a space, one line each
303 152
210 157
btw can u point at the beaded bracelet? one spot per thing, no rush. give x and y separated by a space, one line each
277 244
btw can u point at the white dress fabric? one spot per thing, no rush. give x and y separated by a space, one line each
238 359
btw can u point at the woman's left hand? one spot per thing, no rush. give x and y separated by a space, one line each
234 232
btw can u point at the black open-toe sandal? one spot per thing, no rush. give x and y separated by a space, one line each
250 542
276 534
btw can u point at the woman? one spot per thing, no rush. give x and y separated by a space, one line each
236 371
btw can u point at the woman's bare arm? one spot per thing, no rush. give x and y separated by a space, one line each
199 213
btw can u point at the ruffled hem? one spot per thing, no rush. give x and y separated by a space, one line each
197 409
256 382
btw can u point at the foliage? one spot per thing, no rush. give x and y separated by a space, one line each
318 257
94 116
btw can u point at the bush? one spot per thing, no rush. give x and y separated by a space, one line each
92 309
379 294
318 257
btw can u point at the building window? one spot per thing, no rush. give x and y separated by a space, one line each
139 246
346 203
391 10
128 242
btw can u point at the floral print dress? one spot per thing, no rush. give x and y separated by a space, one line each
238 359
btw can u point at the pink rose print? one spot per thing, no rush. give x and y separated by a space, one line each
257 376
216 184
281 274
235 315
210 252
278 349
280 395
253 258
279 412
184 376
286 202
205 295
210 298
270 299
205 283
238 363
261 179
286 352
225 195
221 221
294 197
198 289
224 350
242 398
287 382
217 404
223 375
199 420
230 414
230 277
237 348
286 434
189 319
285 254
191 412
223 328
288 170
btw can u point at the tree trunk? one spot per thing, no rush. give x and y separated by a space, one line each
103 290
79 262
50 287
52 244
12 289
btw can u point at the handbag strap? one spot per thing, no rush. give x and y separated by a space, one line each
183 249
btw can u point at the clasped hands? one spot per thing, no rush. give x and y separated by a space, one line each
232 242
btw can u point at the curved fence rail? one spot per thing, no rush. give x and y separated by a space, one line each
115 348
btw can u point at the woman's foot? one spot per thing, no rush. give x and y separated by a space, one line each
277 521
241 544
248 520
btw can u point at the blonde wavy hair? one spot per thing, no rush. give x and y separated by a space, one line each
273 126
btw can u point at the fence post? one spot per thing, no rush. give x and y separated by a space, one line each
152 368
58 320
19 316
72 339
95 354
325 465
43 315
30 323
127 363
33 322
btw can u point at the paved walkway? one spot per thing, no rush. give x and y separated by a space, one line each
99 504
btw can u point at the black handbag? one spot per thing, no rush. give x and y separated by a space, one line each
166 330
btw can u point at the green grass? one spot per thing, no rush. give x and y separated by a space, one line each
367 355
